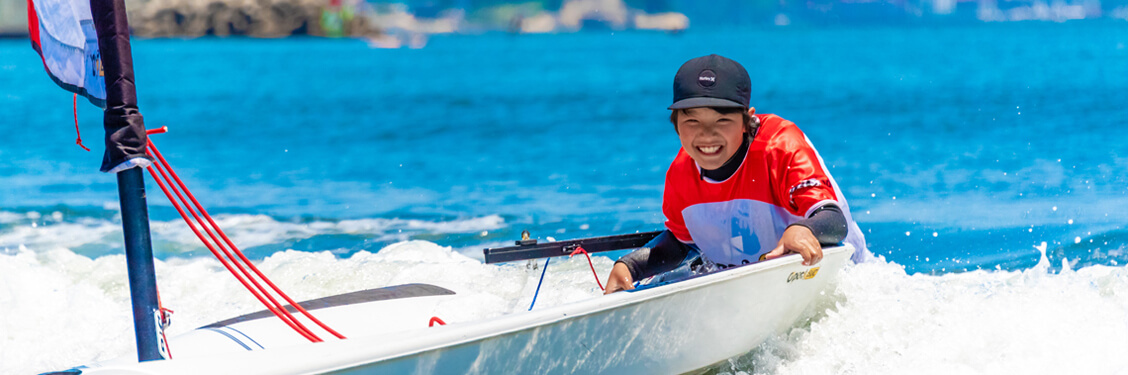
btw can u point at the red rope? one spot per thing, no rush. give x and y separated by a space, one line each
435 319
580 249
301 330
236 250
227 253
79 141
274 305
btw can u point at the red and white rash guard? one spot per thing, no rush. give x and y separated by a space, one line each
782 180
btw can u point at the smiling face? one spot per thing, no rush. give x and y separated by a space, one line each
710 137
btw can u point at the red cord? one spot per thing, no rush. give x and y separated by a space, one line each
435 319
580 249
297 327
227 240
79 141
231 257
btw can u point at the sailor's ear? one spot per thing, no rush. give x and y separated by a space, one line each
751 111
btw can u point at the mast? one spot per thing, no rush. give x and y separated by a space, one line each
125 155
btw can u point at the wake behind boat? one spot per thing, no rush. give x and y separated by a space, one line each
666 328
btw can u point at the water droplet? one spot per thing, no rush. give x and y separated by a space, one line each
1077 240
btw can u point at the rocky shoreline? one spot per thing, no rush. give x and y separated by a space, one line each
255 18
357 18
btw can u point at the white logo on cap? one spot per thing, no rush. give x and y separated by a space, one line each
707 78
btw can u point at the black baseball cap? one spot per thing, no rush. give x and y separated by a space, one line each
711 81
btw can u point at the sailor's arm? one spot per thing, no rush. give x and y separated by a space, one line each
827 224
825 227
661 254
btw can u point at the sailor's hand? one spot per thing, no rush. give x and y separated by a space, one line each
798 239
619 280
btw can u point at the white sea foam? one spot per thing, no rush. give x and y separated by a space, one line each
882 321
255 230
61 309
245 230
487 223
40 236
9 217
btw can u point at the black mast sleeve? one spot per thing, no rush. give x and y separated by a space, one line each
661 254
828 224
125 128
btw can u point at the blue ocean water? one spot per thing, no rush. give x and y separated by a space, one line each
958 147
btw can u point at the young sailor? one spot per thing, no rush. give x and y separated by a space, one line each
744 187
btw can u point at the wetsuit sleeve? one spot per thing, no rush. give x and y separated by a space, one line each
799 180
828 224
661 254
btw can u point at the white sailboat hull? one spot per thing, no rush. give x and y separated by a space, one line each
671 328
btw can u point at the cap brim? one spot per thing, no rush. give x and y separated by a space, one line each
704 102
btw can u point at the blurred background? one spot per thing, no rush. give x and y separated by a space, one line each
278 18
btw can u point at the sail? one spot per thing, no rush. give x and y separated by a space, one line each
62 32
73 47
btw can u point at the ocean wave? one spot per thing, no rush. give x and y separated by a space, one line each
98 236
880 320
9 217
63 309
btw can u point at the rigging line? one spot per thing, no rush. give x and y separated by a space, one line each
224 261
273 308
543 271
293 324
580 249
242 256
76 132
228 253
249 277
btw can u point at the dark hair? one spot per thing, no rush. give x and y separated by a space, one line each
750 122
